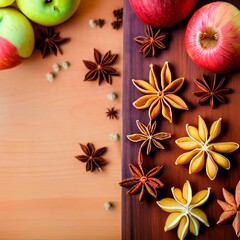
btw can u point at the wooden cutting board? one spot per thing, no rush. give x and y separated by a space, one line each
46 193
146 220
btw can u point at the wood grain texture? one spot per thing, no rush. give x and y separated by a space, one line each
141 221
45 191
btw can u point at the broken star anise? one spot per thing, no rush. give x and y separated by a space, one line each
148 136
92 157
141 182
159 96
49 42
151 42
211 91
118 14
231 208
100 69
112 113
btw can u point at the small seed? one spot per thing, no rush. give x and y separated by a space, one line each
92 23
114 137
65 64
56 67
112 96
107 205
50 76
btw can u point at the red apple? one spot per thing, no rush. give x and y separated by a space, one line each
162 13
212 37
16 37
9 54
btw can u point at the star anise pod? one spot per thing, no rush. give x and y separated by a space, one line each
160 95
202 151
100 69
141 182
112 113
231 208
151 42
211 90
92 157
185 213
148 136
49 41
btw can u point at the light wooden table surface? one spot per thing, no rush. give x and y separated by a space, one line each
45 192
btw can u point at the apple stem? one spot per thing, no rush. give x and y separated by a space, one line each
48 1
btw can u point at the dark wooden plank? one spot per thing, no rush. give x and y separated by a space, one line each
146 220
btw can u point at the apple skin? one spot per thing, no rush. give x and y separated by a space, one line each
162 13
212 37
5 3
48 12
9 57
16 37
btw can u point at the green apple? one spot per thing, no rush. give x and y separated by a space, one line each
16 37
5 3
48 12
